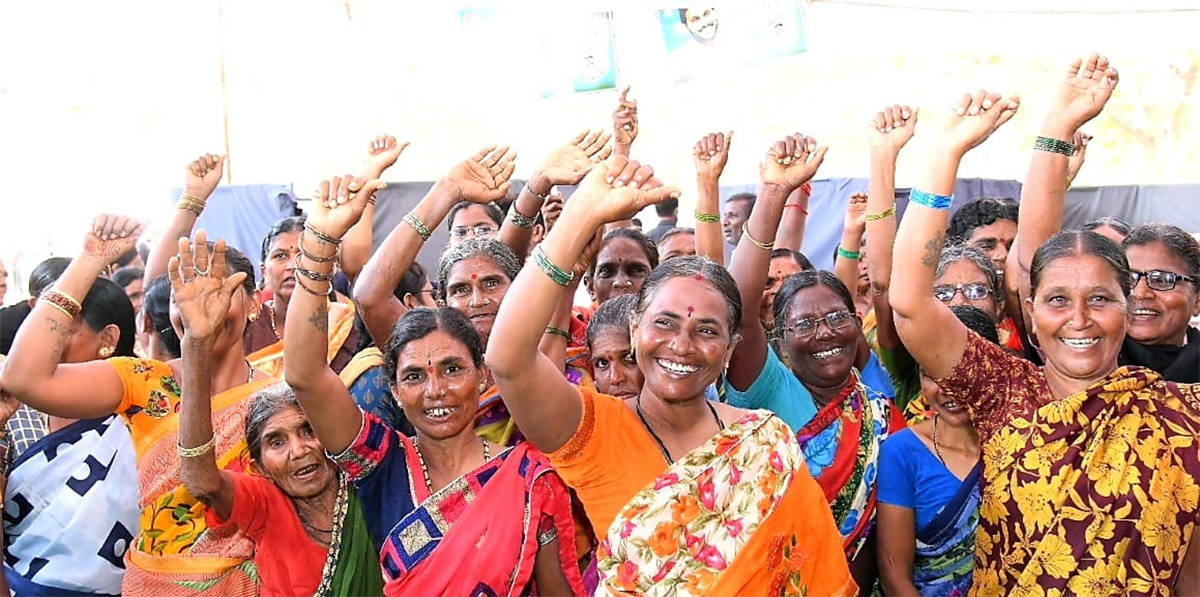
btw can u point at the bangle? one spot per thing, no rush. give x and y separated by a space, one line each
797 206
300 282
200 450
519 219
558 332
316 258
62 301
555 273
708 218
190 203
411 219
1053 145
891 211
764 246
321 236
854 255
940 202
310 274
542 196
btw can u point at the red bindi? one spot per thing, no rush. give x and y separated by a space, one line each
474 276
699 278
690 311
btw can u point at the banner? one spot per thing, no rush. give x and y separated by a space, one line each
715 38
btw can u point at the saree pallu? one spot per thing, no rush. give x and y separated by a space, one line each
841 446
71 511
945 552
352 564
269 359
738 515
364 378
480 534
493 422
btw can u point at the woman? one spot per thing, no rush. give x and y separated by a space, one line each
664 526
64 536
625 259
447 516
614 365
174 545
1087 485
840 419
1114 228
317 541
1166 262
154 321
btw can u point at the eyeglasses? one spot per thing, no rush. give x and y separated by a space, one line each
808 326
481 230
1158 279
974 291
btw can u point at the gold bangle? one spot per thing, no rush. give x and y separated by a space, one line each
191 204
198 450
891 211
764 246
62 301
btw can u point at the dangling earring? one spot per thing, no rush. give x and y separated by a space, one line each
106 351
483 386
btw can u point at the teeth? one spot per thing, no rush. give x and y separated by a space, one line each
1080 342
950 405
679 368
440 411
1144 312
825 354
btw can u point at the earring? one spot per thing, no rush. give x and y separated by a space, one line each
483 386
106 351
632 348
253 317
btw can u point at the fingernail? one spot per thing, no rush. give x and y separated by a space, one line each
619 184
987 104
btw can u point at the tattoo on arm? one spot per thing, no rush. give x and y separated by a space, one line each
320 319
61 333
933 250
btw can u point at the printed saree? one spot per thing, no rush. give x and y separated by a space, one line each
493 422
946 545
841 447
269 359
352 564
738 515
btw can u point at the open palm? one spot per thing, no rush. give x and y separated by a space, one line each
571 162
340 204
199 286
1088 85
484 177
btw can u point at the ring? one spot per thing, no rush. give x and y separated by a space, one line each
200 272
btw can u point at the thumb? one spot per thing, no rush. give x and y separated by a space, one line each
232 282
818 157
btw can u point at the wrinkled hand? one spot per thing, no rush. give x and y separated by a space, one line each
791 162
711 153
618 189
571 162
484 177
625 120
551 209
199 287
202 175
340 202
892 127
975 117
1088 85
110 237
382 152
1075 162
856 212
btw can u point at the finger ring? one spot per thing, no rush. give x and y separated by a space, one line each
200 272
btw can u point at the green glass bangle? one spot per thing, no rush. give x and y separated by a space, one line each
1053 145
848 254
411 219
555 273
708 218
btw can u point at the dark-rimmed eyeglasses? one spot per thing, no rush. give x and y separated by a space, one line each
808 326
479 231
1158 279
974 291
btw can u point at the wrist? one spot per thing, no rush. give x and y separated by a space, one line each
774 191
1059 128
93 264
852 237
539 184
199 193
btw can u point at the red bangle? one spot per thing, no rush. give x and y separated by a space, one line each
797 206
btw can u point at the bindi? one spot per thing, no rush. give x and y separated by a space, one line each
699 278
474 276
690 311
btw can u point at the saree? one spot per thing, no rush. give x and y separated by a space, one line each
738 515
71 511
1091 494
176 552
945 553
269 359
368 385
841 447
493 421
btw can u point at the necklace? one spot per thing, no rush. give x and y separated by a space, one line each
661 446
936 448
487 455
271 320
335 539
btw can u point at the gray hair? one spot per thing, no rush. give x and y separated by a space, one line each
265 404
1175 239
493 249
956 252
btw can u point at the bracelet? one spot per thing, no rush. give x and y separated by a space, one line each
519 219
558 332
321 236
411 219
542 196
891 211
62 301
555 273
191 204
200 450
301 284
310 274
708 218
797 206
1053 145
854 255
764 246
316 258
940 202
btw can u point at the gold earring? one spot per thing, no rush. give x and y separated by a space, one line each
253 317
106 351
483 386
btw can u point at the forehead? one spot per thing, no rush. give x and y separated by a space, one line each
435 347
622 249
1083 272
679 294
611 341
815 301
289 417
737 206
963 269
785 264
1155 255
479 266
472 215
285 239
997 229
678 242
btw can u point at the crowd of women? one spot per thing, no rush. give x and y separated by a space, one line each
981 403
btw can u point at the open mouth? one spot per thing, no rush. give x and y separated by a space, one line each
1080 343
307 472
951 407
1143 313
827 354
483 317
439 412
676 368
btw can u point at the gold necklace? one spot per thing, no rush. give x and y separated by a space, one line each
936 449
271 319
425 469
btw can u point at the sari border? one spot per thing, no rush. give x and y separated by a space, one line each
229 398
947 516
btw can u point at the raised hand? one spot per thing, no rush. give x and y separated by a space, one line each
620 188
1075 162
1084 91
199 287
382 152
975 117
625 120
856 212
340 202
711 153
551 209
484 177
202 175
892 127
571 162
110 237
791 162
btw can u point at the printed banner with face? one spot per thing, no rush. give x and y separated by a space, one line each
718 37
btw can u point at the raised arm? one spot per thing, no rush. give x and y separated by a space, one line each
34 372
710 155
888 132
788 164
482 178
382 153
543 403
201 177
625 124
202 294
795 218
335 417
930 331
566 166
854 224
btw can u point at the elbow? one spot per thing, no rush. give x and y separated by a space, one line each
501 362
13 382
203 486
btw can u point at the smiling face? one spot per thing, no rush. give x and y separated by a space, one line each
1160 316
1079 317
684 339
677 245
293 457
824 358
437 385
966 273
474 287
701 22
616 368
279 270
621 268
951 411
994 240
